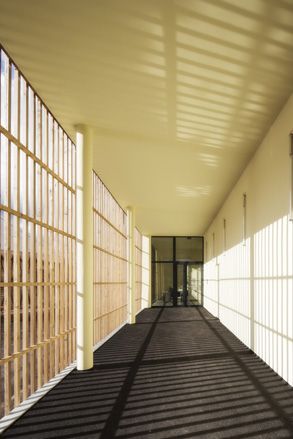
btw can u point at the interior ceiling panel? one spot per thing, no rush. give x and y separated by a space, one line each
180 93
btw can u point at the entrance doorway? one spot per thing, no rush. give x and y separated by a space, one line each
177 267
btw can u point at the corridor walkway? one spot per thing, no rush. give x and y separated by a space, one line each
177 373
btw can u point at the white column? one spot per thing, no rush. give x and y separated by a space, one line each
150 272
84 247
145 271
131 264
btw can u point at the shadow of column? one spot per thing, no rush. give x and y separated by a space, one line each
113 420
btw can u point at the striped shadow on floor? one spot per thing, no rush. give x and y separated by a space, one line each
176 373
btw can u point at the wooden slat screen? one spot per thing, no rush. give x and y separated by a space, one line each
138 270
37 231
110 262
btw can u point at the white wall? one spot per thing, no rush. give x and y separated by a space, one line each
249 287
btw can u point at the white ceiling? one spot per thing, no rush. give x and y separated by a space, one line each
180 93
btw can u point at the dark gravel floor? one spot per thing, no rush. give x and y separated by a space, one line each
177 373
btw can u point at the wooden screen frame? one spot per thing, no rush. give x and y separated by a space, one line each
37 230
110 262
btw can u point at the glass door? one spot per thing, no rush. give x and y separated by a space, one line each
177 266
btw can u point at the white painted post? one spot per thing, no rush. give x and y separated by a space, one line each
150 272
84 247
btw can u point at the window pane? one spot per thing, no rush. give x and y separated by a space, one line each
4 170
14 177
162 283
162 249
23 115
189 249
4 71
31 116
23 181
14 101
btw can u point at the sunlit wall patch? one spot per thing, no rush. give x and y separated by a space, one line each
291 181
244 220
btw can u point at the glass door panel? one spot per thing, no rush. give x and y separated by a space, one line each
162 283
194 283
